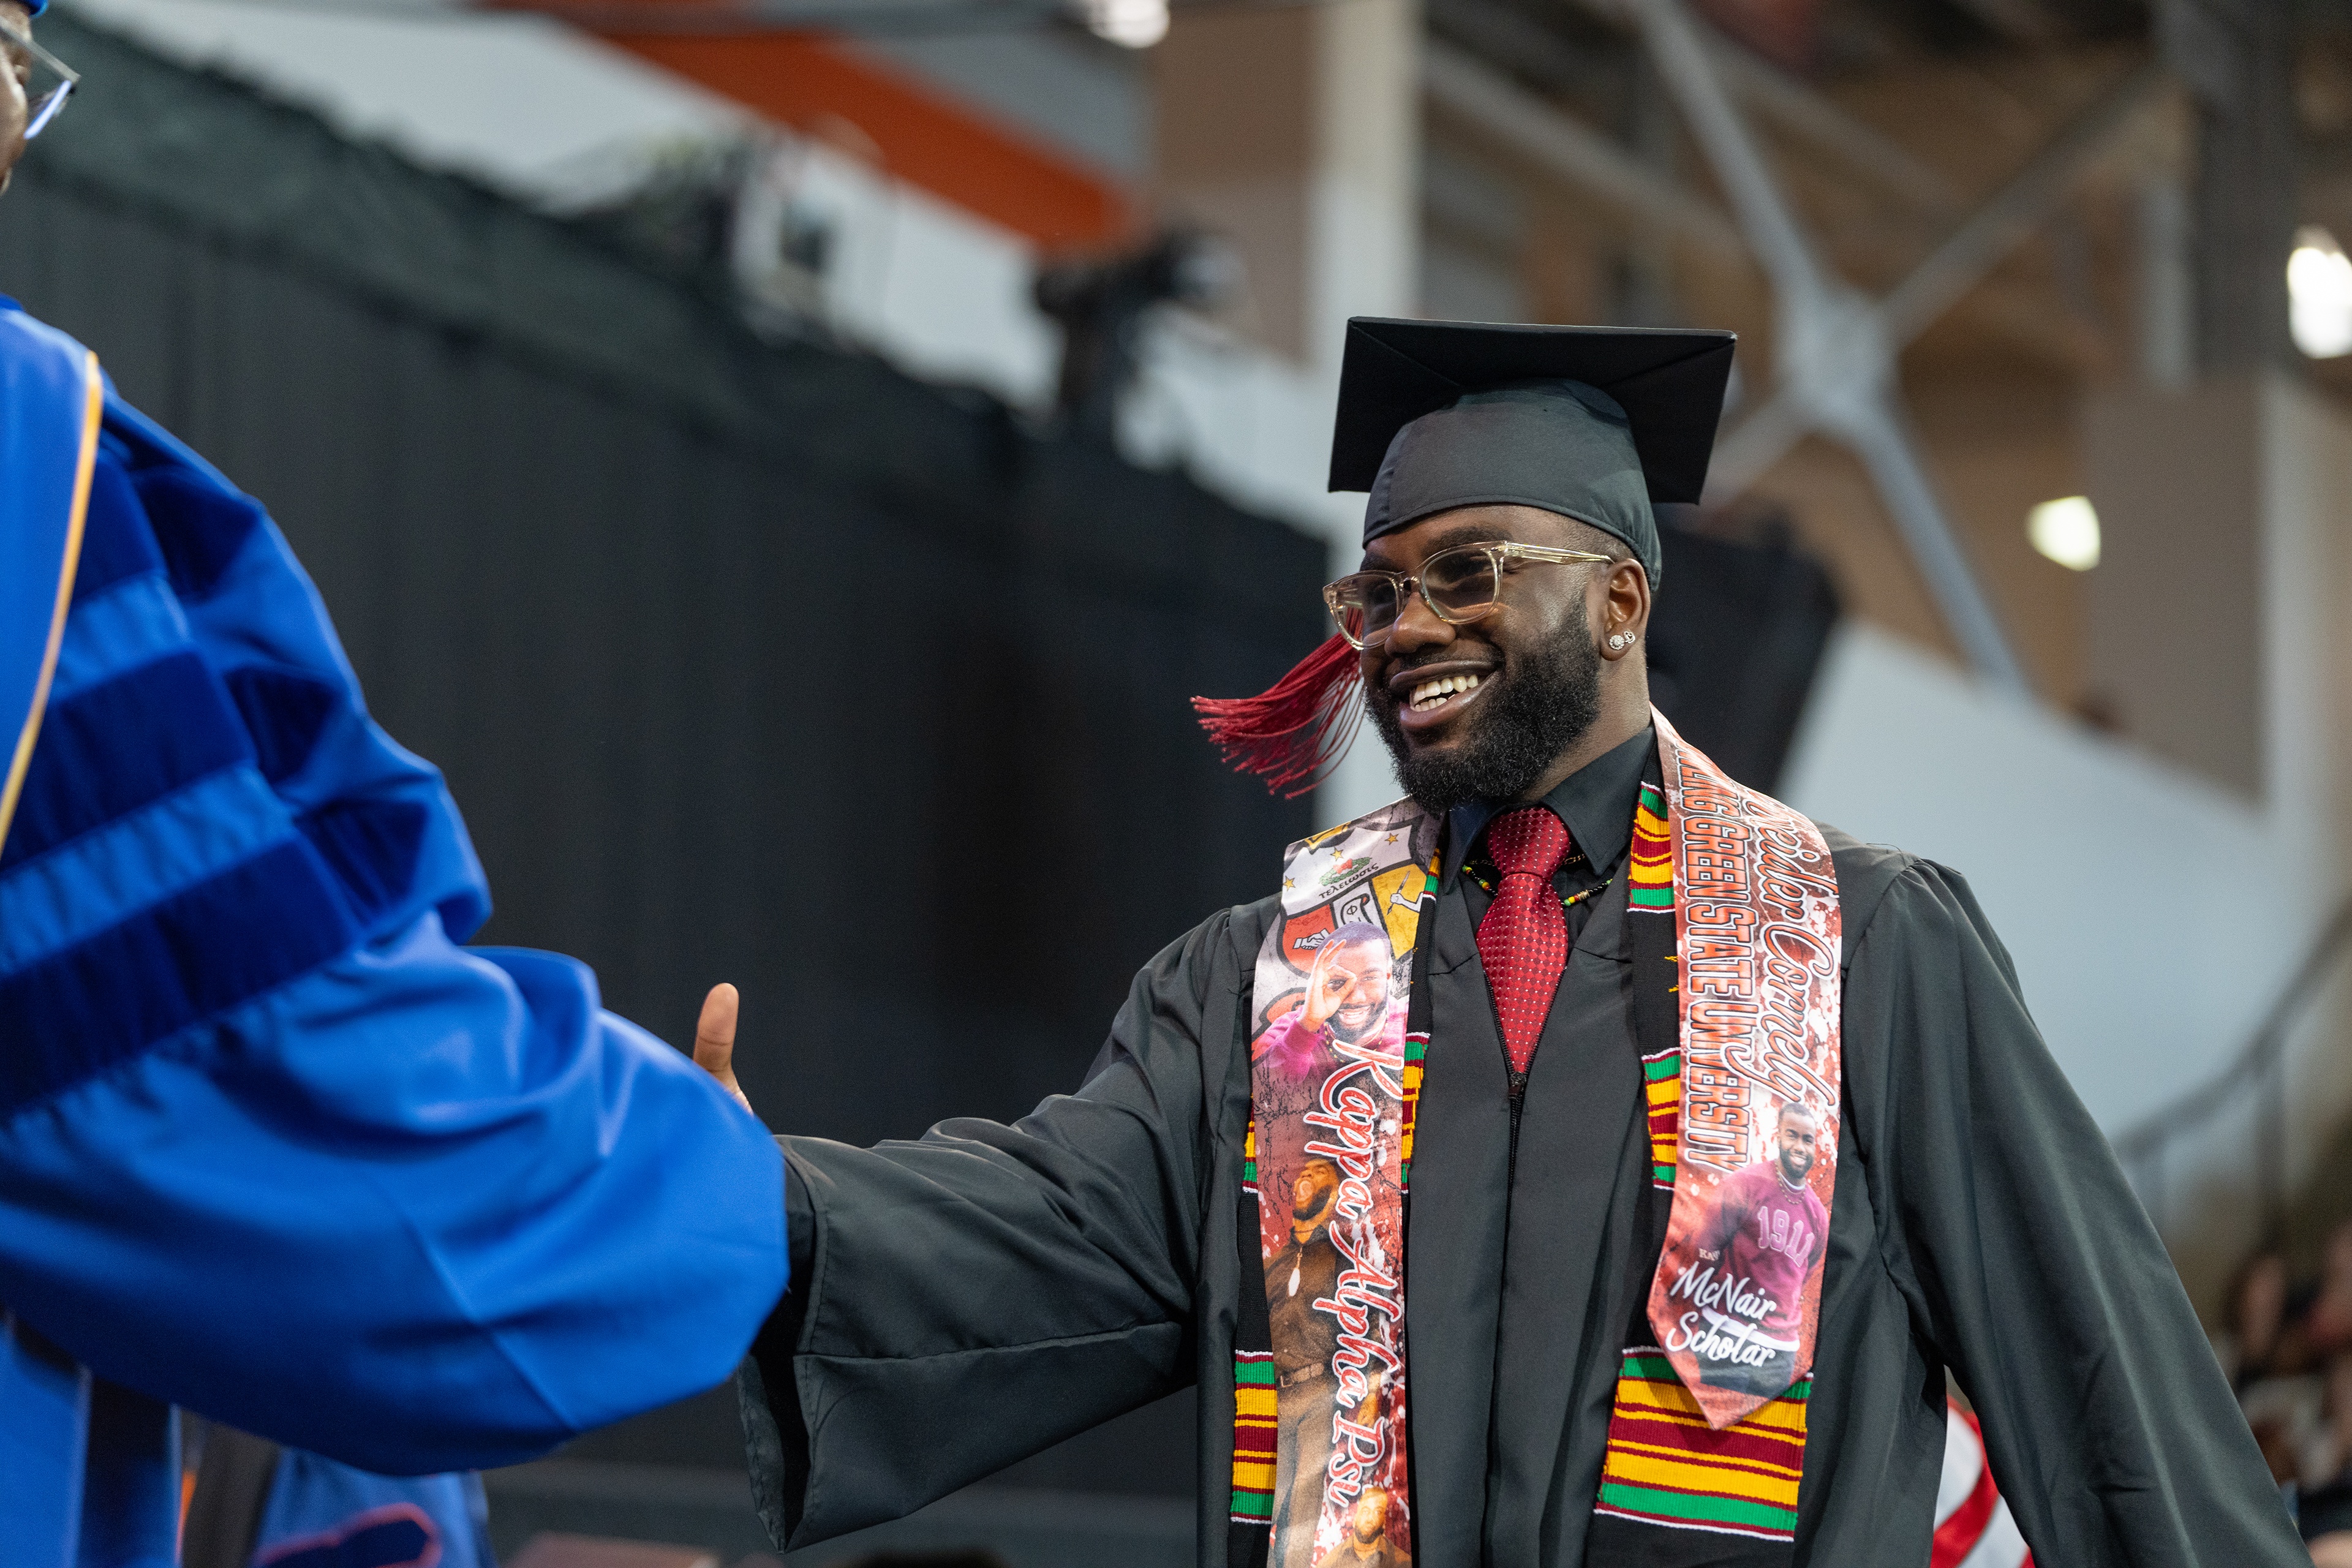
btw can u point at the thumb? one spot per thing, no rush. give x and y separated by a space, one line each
714 1039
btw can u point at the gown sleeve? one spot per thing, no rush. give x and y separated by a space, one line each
272 1146
2027 1260
978 1294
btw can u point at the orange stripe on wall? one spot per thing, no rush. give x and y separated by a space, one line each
924 138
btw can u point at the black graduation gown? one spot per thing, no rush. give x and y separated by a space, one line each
974 1295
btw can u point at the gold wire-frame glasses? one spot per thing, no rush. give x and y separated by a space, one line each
1457 585
47 81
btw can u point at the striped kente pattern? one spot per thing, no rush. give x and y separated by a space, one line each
1652 894
1665 1466
1416 1050
1254 1387
1662 1086
1253 1436
1653 855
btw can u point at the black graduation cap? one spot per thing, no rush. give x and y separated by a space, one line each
1669 381
1591 422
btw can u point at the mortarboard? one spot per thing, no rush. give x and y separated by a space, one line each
1593 423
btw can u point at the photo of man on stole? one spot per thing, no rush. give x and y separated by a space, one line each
1328 1063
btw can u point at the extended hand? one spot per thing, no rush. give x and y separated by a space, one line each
714 1039
1322 999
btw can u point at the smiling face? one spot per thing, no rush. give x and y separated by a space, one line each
1793 1141
1488 709
1349 989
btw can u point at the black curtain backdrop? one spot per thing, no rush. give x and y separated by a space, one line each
1736 634
746 661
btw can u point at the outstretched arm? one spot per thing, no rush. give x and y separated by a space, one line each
974 1295
271 1145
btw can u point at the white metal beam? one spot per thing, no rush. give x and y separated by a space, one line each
1972 249
2023 204
1835 363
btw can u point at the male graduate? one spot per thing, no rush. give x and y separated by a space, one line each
1618 971
271 1145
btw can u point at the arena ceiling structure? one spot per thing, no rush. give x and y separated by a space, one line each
2096 187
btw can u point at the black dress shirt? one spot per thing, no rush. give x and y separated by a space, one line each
1596 803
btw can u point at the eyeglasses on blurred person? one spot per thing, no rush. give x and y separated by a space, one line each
44 80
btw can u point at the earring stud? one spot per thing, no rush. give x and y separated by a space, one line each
1621 640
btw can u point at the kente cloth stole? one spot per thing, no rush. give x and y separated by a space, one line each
1740 1068
1337 1033
1666 1463
1737 1298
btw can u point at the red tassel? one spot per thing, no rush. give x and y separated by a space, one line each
1298 729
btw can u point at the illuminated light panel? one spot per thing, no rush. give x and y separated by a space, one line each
2066 531
1131 24
2319 294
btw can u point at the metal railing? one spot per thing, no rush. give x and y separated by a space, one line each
2259 1070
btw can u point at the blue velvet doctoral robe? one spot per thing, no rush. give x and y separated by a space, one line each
272 1145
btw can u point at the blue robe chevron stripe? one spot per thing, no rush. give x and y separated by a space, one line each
272 1145
50 405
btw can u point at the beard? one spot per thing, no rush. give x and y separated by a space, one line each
1353 1031
1538 709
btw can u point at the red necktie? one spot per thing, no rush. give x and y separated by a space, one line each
1523 941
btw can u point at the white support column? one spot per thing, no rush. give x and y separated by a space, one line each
1363 260
1364 186
1295 132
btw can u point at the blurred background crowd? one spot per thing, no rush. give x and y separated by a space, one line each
768 452
2285 1341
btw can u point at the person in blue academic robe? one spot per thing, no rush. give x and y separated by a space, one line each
273 1145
